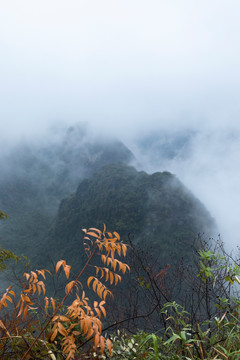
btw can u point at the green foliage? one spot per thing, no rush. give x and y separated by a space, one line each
205 338
156 209
3 216
6 255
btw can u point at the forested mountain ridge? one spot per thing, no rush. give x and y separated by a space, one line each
156 209
35 177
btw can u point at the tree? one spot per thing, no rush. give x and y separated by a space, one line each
63 330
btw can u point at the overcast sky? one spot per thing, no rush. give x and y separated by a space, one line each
126 67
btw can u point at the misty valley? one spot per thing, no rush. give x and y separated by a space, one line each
173 285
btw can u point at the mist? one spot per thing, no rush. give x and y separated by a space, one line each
134 70
207 162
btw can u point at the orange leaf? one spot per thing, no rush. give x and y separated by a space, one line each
98 312
67 269
54 334
109 346
8 298
107 273
114 264
89 280
25 312
69 287
102 344
103 310
56 317
111 278
119 250
63 318
4 303
33 275
94 229
21 310
94 285
41 284
34 288
100 246
96 340
62 329
27 300
117 278
4 328
39 289
124 249
100 293
92 234
117 235
46 302
42 273
103 258
27 275
53 303
60 263
128 267
12 292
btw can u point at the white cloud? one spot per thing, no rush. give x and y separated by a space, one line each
128 67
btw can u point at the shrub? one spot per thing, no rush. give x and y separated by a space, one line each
39 326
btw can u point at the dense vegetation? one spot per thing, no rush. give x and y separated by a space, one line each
38 326
156 209
207 330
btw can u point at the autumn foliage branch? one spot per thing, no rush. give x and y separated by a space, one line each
63 326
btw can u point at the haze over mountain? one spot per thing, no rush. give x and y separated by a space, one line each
206 160
35 177
132 70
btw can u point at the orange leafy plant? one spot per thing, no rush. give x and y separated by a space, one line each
65 325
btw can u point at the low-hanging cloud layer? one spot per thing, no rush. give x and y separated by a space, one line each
207 162
130 68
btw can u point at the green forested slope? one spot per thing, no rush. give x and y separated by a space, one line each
35 177
156 209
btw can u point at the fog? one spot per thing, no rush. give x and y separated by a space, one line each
130 69
207 162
